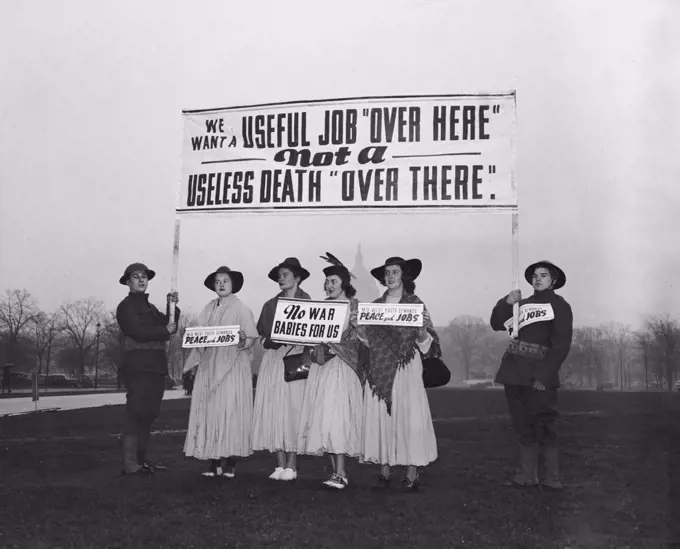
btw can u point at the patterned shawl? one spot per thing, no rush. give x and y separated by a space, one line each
266 320
389 349
348 348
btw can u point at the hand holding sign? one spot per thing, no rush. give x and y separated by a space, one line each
422 333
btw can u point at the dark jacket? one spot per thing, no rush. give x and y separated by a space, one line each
554 336
144 334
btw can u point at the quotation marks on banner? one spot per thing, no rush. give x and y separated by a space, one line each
492 169
496 109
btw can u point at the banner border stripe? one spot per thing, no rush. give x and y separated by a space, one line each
510 94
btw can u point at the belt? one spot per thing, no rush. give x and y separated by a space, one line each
130 344
523 348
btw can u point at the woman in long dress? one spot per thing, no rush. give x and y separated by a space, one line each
220 418
397 424
278 403
332 406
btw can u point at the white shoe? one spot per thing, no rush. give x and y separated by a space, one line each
289 474
277 474
337 482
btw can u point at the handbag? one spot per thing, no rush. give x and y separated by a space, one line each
294 369
435 373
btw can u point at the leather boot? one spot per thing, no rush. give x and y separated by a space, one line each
528 473
552 481
129 447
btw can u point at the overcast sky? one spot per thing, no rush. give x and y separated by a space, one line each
91 95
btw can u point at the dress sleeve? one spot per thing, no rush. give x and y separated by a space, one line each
247 322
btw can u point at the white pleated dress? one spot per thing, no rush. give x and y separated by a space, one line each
331 411
278 404
406 437
220 418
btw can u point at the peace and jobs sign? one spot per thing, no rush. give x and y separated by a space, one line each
305 322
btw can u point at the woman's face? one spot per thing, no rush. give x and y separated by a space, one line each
542 279
223 284
287 279
333 287
393 277
138 281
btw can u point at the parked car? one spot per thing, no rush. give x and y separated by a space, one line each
85 381
60 380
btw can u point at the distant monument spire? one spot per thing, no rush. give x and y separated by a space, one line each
365 284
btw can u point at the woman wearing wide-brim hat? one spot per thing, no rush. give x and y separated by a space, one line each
332 408
276 416
397 424
220 419
530 368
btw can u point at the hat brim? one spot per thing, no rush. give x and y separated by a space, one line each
236 281
409 267
149 274
274 273
561 276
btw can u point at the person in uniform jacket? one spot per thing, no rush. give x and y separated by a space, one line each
145 333
530 366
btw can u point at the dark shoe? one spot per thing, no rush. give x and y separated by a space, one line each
214 470
408 485
155 467
142 471
228 467
382 483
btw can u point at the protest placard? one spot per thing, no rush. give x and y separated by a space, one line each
530 313
372 153
211 336
301 321
390 314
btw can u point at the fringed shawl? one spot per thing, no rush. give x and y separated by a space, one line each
389 349
348 348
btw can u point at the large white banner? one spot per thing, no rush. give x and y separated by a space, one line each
374 153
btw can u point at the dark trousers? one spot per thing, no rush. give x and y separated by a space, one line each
533 414
144 395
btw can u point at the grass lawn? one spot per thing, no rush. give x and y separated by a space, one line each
59 485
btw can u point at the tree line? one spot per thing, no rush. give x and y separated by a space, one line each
611 355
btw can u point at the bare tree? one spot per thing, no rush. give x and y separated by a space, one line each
466 333
45 328
618 338
644 340
17 309
667 334
591 342
79 319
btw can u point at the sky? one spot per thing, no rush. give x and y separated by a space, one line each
91 95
